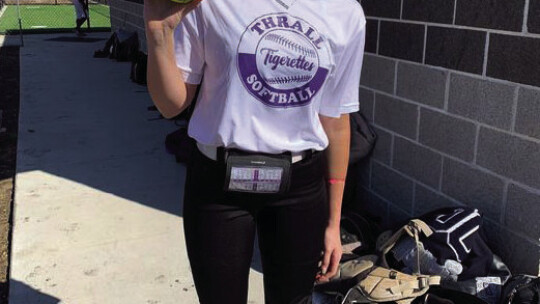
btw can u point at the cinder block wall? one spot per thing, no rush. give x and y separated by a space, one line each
453 90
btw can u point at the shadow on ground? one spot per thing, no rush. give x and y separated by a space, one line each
31 295
75 39
83 120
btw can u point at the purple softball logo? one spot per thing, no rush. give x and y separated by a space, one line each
282 60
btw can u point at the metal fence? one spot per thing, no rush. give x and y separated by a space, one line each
36 16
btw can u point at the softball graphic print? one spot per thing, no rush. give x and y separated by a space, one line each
283 60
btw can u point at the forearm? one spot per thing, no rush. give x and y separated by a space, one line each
337 155
165 83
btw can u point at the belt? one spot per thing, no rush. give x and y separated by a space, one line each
212 153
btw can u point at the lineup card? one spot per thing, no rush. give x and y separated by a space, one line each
255 179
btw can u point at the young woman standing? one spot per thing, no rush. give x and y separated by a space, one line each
278 79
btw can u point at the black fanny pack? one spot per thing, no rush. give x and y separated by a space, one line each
257 173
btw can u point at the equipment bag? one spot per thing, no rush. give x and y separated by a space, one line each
384 285
361 281
138 69
125 46
521 289
368 283
439 295
180 145
487 287
106 51
414 229
358 229
363 137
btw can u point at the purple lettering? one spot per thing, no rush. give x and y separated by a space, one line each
309 32
297 26
283 21
317 42
272 58
269 23
275 61
257 27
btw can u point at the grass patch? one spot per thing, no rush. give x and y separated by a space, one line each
51 17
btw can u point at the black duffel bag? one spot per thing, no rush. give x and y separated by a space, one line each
139 68
125 46
521 289
439 295
363 137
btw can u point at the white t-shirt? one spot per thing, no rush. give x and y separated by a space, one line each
269 71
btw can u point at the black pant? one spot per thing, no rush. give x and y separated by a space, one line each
220 230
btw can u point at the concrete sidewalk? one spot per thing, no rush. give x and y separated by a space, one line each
98 202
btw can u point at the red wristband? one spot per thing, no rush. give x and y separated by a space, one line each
332 181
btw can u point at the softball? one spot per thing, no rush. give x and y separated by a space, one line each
182 1
286 59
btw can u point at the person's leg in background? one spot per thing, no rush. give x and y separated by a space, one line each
80 22
81 16
219 235
291 236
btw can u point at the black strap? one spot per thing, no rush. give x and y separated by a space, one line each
221 154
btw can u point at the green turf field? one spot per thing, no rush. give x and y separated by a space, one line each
43 17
